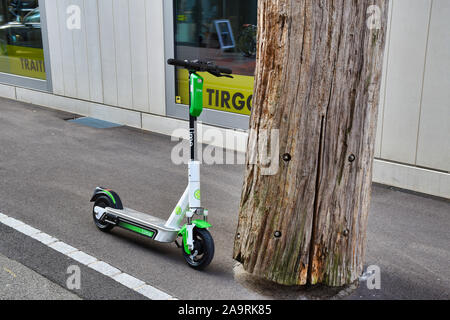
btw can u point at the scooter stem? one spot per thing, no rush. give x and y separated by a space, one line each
192 135
192 123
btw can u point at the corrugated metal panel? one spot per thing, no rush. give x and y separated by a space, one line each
123 53
93 50
155 44
139 55
409 31
434 133
108 52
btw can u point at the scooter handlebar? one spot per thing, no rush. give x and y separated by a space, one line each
200 66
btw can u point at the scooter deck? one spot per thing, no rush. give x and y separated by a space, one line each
144 220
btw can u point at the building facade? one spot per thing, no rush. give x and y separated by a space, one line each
106 59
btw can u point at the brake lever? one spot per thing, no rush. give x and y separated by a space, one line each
220 75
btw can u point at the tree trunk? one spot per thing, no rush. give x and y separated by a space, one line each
318 78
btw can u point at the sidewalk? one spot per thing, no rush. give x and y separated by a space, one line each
49 168
18 282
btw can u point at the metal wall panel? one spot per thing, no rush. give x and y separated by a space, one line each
67 51
93 50
108 51
123 53
116 58
434 132
408 42
81 57
139 55
156 56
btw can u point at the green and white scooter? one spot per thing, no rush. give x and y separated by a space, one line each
198 244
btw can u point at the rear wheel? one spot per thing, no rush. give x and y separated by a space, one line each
203 252
102 202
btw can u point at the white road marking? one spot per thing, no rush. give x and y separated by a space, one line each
62 247
27 230
11 222
82 257
44 238
104 268
153 293
100 266
129 281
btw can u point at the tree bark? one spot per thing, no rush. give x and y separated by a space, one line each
317 81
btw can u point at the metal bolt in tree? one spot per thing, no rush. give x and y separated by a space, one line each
317 81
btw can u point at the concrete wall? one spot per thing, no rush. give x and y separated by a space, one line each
113 69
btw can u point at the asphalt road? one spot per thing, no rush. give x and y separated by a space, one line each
49 168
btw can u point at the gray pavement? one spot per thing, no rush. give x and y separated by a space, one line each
18 282
50 167
55 267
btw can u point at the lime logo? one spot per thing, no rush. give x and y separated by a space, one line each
178 211
197 194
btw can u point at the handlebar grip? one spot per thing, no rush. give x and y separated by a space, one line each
175 62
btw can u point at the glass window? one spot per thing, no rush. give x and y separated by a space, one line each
21 51
223 31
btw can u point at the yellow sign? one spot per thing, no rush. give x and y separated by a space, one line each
224 94
23 61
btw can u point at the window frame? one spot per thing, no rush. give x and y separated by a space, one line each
181 111
32 83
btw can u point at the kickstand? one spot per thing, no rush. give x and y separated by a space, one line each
178 245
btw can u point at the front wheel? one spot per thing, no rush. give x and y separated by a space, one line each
203 252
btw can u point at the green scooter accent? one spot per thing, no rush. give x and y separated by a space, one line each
196 92
201 224
109 195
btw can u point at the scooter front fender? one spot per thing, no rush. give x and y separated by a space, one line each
201 224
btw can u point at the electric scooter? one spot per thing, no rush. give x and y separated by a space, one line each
197 242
